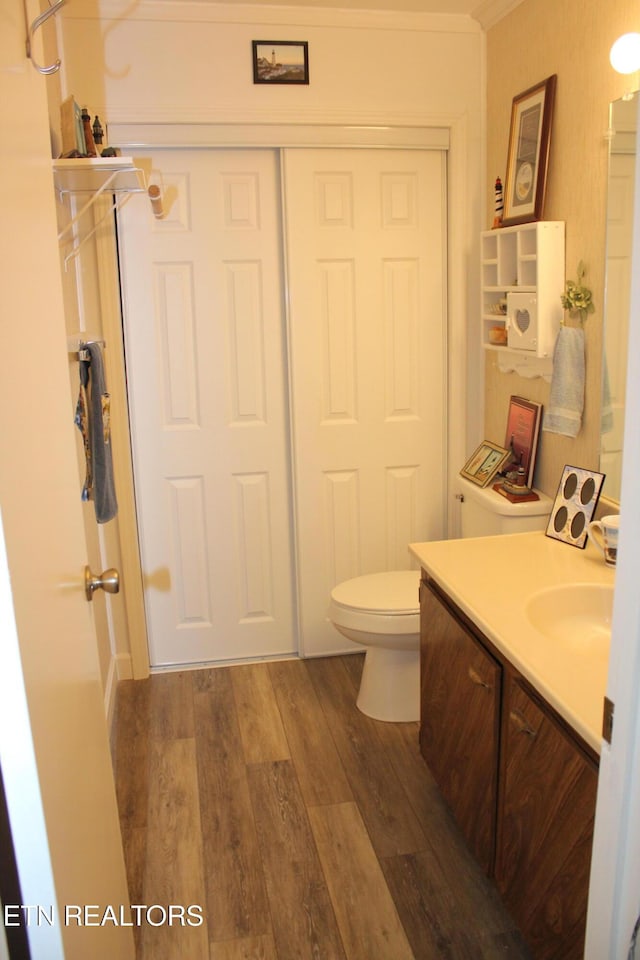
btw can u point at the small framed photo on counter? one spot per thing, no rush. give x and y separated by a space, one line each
484 463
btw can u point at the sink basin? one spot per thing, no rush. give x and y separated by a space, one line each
577 614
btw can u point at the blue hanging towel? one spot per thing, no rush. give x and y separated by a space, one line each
566 400
102 490
81 420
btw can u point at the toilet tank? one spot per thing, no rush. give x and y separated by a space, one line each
485 513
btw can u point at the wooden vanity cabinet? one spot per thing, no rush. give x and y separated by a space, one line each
460 693
520 783
545 827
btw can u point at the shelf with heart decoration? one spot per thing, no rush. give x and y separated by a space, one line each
522 281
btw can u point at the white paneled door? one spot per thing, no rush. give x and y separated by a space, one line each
366 254
207 339
203 308
55 761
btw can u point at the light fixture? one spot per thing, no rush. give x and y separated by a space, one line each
625 53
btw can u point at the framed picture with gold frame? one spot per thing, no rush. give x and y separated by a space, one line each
528 155
484 463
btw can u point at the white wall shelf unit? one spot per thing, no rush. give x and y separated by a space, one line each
92 178
522 277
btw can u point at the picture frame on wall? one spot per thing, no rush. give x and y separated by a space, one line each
484 463
528 153
280 61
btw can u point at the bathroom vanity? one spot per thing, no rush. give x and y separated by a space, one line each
514 650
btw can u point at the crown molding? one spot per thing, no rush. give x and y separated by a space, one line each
210 11
489 12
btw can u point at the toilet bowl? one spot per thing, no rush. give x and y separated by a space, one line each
381 611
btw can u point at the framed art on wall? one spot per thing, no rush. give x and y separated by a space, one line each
280 61
528 154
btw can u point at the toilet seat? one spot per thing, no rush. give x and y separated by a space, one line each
378 602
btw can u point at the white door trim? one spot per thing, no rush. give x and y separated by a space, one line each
131 569
615 864
128 136
449 133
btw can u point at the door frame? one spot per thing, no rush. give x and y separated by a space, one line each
116 375
448 134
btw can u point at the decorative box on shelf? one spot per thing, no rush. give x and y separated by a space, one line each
522 282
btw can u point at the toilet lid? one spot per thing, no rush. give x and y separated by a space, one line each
394 592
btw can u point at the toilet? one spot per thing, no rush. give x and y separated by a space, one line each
381 611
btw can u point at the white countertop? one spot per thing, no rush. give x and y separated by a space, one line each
491 579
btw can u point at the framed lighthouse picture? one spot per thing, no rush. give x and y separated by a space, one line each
280 61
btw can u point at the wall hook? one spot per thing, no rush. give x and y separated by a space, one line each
37 23
155 197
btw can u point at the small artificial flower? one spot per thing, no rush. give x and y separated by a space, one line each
577 299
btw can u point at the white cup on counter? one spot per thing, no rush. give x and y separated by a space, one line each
604 534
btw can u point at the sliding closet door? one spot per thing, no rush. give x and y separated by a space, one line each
366 255
203 308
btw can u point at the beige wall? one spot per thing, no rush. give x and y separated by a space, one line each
570 38
411 69
192 62
167 62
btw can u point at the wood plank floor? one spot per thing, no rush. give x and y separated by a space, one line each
304 830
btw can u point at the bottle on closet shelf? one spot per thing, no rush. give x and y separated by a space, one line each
98 133
88 134
98 137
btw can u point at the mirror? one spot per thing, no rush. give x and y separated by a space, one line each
620 193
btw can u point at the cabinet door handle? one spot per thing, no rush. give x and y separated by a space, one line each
475 677
522 724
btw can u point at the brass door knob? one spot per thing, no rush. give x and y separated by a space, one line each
109 581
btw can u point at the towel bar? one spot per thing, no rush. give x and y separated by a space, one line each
74 344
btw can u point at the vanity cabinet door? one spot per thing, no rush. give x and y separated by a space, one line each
459 725
545 828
